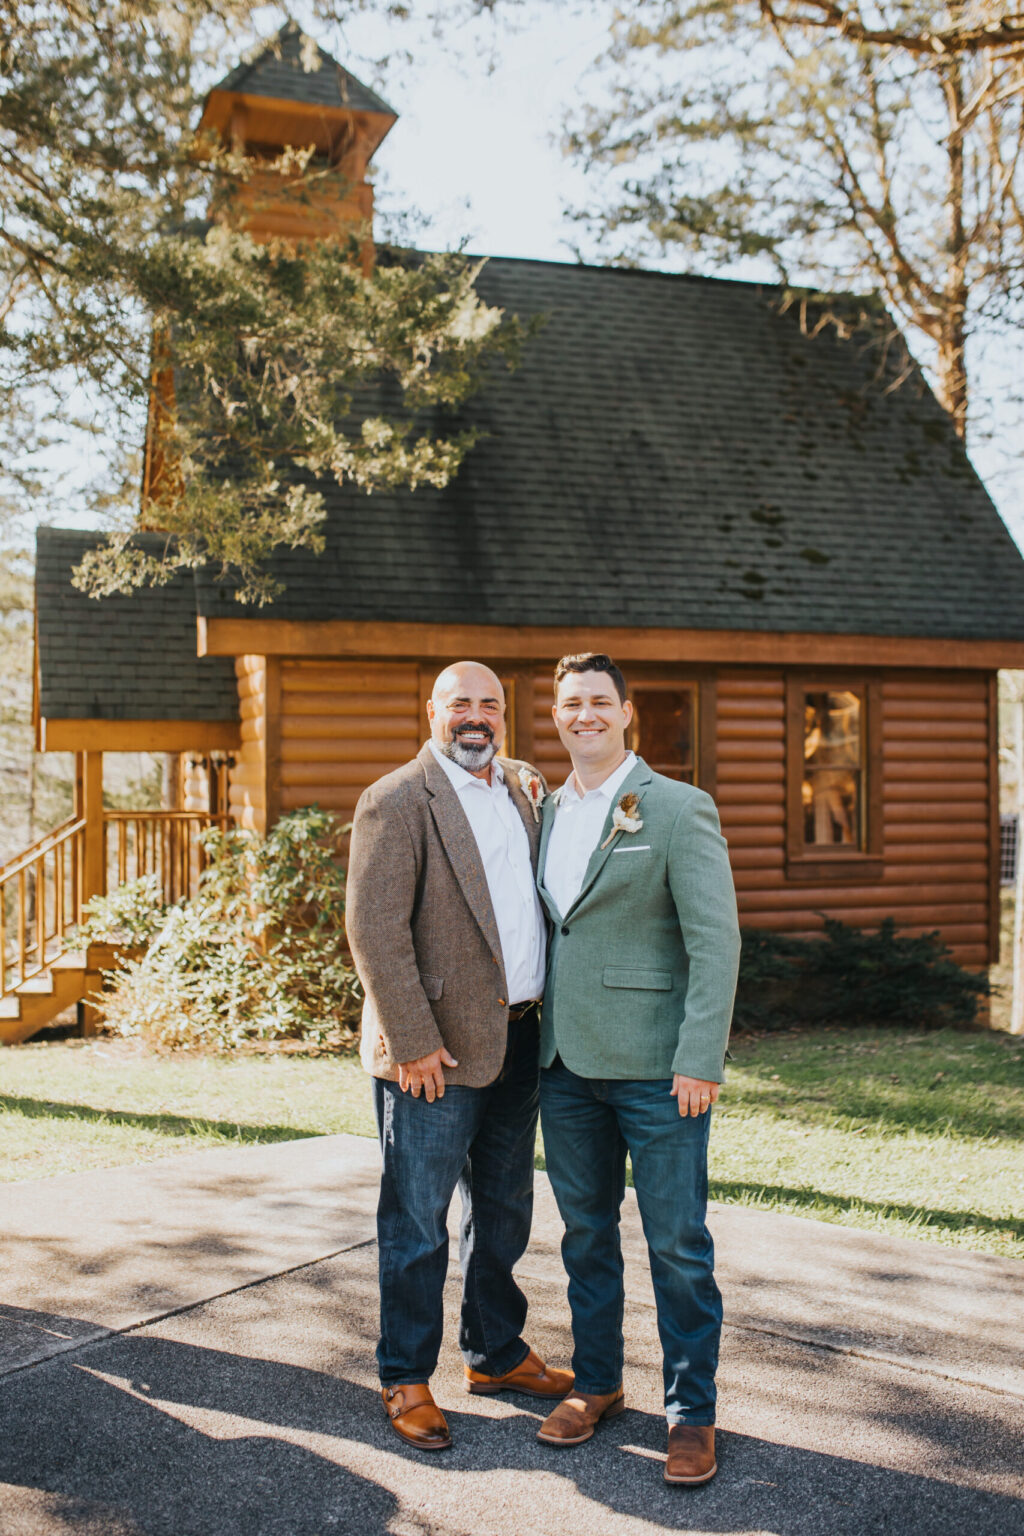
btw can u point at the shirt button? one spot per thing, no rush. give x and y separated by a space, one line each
501 1002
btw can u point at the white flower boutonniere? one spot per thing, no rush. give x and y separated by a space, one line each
624 818
533 789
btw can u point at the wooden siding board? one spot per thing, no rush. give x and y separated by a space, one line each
344 724
935 803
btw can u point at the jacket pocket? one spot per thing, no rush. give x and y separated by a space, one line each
651 981
433 986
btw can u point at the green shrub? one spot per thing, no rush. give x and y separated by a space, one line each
258 954
849 977
131 915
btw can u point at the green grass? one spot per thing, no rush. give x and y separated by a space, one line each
917 1135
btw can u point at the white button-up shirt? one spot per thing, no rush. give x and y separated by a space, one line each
505 854
578 825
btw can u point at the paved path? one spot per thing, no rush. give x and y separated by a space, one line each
186 1348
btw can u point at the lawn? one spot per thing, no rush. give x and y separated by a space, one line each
918 1135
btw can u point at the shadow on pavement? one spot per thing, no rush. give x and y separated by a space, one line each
139 1434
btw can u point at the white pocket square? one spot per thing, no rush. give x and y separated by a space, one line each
634 848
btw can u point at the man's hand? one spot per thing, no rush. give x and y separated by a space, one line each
694 1094
426 1073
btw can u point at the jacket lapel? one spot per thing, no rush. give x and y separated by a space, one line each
522 804
460 845
638 780
547 821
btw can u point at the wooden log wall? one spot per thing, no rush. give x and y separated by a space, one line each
342 724
247 793
937 801
195 783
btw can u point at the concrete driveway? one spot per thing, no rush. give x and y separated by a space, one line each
186 1348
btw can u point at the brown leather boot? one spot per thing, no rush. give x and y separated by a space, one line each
576 1417
531 1376
691 1453
415 1417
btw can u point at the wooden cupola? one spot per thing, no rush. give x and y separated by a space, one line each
294 94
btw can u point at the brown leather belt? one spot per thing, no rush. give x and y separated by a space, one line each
518 1011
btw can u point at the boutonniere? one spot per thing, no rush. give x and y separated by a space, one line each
624 818
533 789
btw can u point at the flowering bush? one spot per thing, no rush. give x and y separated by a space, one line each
258 954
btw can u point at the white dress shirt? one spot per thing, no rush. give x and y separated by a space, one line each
505 854
575 834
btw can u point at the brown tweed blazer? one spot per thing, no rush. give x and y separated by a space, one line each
421 926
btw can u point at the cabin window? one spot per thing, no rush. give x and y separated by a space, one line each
834 769
664 728
832 790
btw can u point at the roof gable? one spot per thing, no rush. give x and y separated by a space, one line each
280 71
675 452
121 658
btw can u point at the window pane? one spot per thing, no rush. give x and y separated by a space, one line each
833 784
662 730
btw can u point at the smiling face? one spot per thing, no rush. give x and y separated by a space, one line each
467 716
592 722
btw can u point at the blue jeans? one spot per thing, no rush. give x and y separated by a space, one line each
589 1126
482 1141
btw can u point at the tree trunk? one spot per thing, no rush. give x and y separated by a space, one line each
952 360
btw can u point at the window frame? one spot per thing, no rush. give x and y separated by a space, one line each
705 711
810 861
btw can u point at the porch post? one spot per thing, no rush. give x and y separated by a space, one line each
89 804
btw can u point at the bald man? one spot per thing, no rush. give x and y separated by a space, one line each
448 937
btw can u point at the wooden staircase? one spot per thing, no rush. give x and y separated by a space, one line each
44 891
32 1005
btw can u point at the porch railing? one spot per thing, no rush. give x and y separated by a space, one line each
44 889
40 901
164 843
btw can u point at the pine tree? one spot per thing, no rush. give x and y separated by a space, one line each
290 364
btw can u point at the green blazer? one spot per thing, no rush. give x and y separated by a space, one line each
642 968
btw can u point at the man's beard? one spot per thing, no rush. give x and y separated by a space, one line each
470 757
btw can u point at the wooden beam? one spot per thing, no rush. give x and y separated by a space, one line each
343 637
138 735
272 743
994 831
89 787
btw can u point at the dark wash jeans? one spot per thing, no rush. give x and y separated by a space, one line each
482 1141
589 1126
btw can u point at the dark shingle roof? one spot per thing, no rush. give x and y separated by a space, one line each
278 71
122 658
676 451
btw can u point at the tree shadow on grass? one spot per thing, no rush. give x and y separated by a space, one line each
821 1203
163 1124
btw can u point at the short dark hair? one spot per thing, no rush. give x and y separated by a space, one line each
591 661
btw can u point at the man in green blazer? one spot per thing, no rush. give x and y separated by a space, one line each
642 965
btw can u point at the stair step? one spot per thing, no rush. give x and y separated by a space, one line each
36 986
10 1007
71 960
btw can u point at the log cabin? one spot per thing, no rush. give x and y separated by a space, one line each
766 518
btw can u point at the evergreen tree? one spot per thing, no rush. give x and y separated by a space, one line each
110 272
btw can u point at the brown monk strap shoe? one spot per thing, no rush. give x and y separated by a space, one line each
575 1419
416 1417
531 1376
691 1453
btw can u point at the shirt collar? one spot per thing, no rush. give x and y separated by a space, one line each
610 785
460 778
